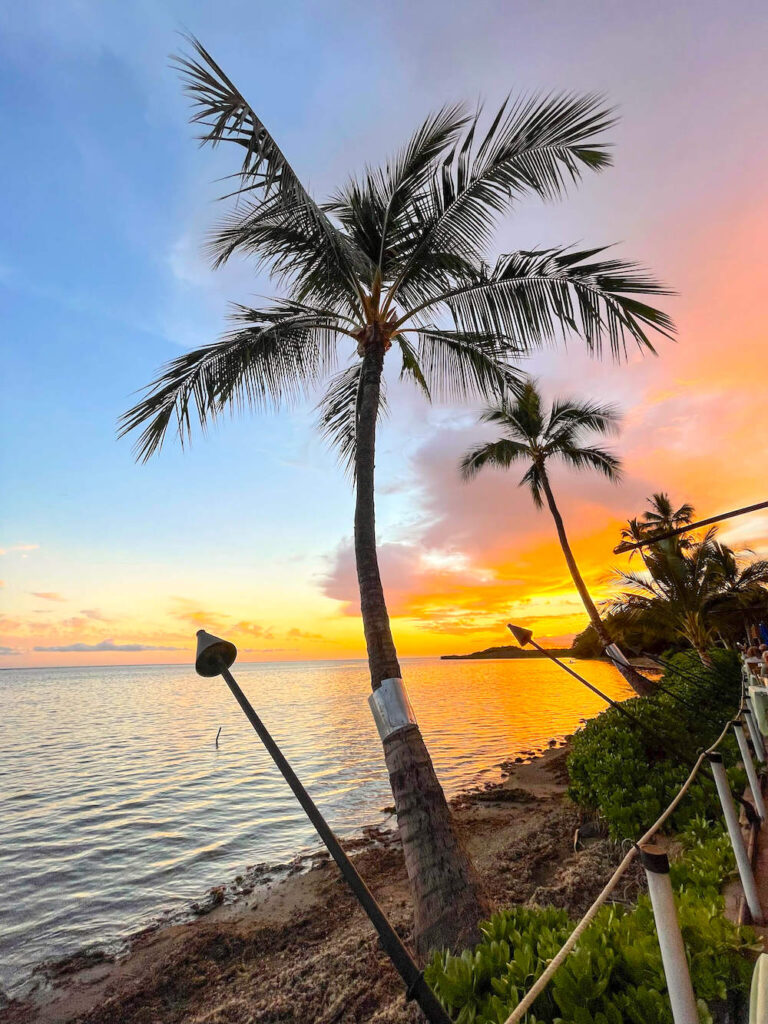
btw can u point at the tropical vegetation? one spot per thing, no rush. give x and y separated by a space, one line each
615 973
691 591
628 770
537 437
395 266
694 586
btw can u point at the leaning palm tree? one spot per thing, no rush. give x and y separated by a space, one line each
395 265
536 436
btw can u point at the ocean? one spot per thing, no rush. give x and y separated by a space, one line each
117 810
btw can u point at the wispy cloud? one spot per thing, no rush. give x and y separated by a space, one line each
104 645
19 547
48 595
8 650
302 634
94 613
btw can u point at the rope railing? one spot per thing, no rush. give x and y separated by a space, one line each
560 957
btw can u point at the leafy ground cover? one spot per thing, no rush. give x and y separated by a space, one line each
615 974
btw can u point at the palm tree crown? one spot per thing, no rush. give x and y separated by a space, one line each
537 435
694 588
397 257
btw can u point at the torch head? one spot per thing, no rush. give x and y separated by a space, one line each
523 636
213 653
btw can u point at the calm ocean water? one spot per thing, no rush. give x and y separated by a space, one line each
116 807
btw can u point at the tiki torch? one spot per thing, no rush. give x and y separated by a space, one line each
214 658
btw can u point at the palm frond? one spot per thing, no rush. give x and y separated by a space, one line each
295 249
533 145
522 419
273 357
533 479
586 457
583 416
370 209
226 116
499 454
460 364
411 367
533 297
338 415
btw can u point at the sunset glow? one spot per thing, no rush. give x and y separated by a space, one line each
248 533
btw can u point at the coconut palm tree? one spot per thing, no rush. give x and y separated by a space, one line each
677 587
740 590
702 590
661 516
535 436
395 265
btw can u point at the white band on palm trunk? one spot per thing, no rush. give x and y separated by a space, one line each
391 708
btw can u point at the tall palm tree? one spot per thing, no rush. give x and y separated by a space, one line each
396 262
536 436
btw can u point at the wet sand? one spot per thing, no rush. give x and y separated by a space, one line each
298 949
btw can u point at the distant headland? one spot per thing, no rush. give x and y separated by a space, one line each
508 652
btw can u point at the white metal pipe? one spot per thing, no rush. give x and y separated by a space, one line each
737 840
755 735
679 987
749 765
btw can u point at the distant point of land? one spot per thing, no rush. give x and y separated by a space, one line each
508 652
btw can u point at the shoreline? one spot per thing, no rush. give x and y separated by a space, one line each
519 831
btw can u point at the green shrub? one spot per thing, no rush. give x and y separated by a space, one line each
630 773
615 973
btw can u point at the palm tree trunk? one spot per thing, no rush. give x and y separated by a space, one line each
446 892
642 686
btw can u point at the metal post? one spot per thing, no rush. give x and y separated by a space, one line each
417 988
749 765
737 840
755 735
679 987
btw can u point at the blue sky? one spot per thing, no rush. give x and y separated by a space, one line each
107 199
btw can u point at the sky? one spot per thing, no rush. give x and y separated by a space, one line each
248 532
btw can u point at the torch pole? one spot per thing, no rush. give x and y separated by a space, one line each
416 986
581 679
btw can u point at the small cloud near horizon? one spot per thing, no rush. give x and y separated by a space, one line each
103 645
47 595
19 547
302 634
9 650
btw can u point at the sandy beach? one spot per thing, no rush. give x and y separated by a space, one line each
298 948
